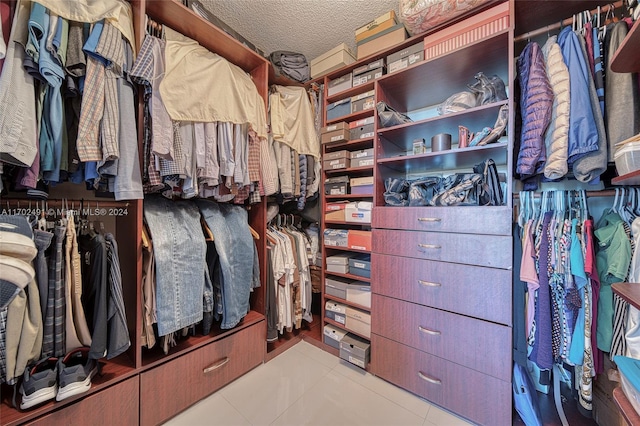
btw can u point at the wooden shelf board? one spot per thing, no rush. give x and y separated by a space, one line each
626 58
346 302
343 222
346 249
629 292
632 178
628 412
349 196
156 356
354 145
351 92
349 170
349 276
113 371
184 20
352 117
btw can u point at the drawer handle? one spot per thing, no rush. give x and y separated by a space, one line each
429 331
215 366
429 219
428 283
429 246
429 379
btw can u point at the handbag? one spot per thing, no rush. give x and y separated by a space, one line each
488 89
390 117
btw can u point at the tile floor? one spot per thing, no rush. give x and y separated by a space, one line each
308 386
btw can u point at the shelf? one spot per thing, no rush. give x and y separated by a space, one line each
342 222
351 170
348 196
347 302
628 412
422 85
475 119
156 356
184 20
629 292
626 58
352 117
113 371
351 92
343 327
353 145
346 249
462 158
533 14
349 276
632 178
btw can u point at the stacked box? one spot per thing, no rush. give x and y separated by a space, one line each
363 102
405 57
339 109
338 132
359 240
376 26
361 186
358 321
335 211
355 350
358 212
360 265
340 84
337 185
336 287
336 237
333 336
339 263
336 160
335 311
360 293
335 58
368 72
361 129
382 41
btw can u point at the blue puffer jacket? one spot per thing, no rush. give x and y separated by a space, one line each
583 134
536 100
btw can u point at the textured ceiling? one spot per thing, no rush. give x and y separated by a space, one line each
310 27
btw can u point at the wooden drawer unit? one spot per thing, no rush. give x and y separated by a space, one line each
470 290
479 397
464 220
486 346
170 388
482 250
115 405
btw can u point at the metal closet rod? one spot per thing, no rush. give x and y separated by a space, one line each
566 22
603 193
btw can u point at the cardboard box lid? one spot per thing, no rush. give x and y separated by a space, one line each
335 233
338 48
362 263
338 283
355 344
382 33
359 286
335 206
337 179
340 80
414 48
370 66
339 259
364 95
343 153
360 205
390 15
362 122
367 180
359 315
336 126
334 332
338 103
335 307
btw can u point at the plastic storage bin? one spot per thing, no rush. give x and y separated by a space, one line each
627 158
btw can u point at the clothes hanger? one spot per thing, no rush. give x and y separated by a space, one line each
145 237
254 233
206 230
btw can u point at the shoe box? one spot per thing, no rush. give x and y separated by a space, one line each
355 350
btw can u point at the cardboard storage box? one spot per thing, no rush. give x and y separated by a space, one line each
338 163
379 24
359 240
405 57
355 350
361 129
343 153
368 67
336 287
358 212
361 266
339 260
363 101
363 153
362 162
358 321
335 211
381 41
339 109
360 293
343 125
340 84
337 185
335 58
340 135
331 306
361 186
336 316
368 76
333 335
336 237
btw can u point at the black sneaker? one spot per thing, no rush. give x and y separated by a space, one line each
75 372
39 383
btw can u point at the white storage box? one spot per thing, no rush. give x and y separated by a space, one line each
360 293
358 212
627 158
359 321
335 58
336 307
355 350
333 335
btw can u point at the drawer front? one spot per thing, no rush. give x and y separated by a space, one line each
470 290
486 346
482 250
464 220
115 405
481 398
170 388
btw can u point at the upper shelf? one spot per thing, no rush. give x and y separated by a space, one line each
184 20
533 14
421 85
629 292
626 58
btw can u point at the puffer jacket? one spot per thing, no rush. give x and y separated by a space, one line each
556 138
536 98
583 135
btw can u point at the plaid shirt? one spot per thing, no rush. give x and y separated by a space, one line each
91 112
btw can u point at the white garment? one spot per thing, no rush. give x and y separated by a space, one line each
632 334
292 120
3 46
